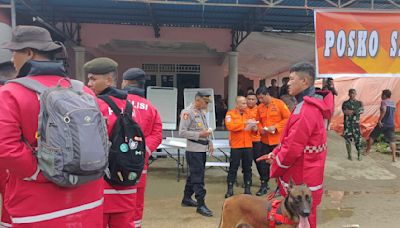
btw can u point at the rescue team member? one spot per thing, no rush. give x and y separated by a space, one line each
133 83
193 126
32 200
352 109
303 148
119 201
240 126
7 72
272 116
252 109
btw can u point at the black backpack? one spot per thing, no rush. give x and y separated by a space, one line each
128 149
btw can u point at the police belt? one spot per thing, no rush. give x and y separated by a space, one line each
202 142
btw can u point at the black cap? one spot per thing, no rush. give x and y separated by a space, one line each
134 74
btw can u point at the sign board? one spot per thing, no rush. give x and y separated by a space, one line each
357 44
165 100
189 95
5 36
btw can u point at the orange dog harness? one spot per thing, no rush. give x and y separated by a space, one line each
275 216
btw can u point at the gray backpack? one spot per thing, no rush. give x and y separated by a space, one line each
72 135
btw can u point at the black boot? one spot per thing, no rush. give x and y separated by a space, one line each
203 209
247 189
188 202
229 192
263 188
348 148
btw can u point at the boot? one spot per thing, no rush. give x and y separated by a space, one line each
348 148
203 209
263 188
229 192
247 189
187 201
359 155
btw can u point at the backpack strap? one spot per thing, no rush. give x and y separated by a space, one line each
30 84
111 103
128 108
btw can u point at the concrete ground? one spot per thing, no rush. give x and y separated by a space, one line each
357 193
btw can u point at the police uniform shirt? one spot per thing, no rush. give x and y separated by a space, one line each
192 122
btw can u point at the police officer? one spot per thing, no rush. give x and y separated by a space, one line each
352 110
193 126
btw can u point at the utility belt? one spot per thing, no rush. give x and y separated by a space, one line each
202 142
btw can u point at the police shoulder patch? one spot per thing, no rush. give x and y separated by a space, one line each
185 116
228 118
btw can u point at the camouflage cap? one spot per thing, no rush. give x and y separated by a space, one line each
102 65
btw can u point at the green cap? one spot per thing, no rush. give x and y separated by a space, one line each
101 65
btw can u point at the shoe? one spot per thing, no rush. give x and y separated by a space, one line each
229 192
263 189
350 158
203 210
247 190
188 202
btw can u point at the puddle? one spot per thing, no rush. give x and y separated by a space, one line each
327 215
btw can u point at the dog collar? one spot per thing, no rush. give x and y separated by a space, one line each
274 217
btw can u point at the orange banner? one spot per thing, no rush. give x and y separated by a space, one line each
357 44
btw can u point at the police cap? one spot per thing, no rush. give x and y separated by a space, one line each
134 74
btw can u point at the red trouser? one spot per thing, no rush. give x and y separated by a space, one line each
139 206
86 219
312 219
119 220
5 220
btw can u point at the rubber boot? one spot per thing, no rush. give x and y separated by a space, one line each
263 189
229 192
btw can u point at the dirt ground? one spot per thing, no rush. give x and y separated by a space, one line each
364 193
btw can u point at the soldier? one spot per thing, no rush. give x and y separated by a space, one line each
352 110
193 126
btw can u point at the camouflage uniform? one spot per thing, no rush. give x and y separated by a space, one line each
352 125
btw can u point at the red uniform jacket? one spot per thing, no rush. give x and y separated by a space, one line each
39 198
302 152
117 198
151 126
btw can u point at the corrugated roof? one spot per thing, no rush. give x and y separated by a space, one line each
261 15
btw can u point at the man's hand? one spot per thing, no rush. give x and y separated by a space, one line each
204 133
271 129
269 158
211 149
380 124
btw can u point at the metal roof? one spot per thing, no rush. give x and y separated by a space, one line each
256 15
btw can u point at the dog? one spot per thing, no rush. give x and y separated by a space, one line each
252 211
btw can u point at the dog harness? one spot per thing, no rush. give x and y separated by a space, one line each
275 216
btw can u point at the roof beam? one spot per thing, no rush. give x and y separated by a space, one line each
267 4
156 27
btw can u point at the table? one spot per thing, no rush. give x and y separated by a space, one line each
173 147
